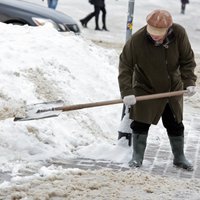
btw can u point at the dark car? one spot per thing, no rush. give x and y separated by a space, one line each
19 12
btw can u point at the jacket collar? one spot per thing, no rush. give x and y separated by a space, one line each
170 37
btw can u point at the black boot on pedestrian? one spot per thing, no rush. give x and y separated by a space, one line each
139 146
104 28
83 23
97 29
177 145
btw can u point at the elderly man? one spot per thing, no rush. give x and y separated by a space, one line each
157 58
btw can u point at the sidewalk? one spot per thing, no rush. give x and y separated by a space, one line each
158 158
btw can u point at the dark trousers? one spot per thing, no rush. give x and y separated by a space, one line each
183 8
169 122
95 14
103 9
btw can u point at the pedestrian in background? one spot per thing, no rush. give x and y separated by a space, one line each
157 58
52 3
99 5
183 5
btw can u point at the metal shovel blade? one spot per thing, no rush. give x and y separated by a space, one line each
41 111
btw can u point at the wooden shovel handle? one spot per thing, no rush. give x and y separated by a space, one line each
160 95
117 101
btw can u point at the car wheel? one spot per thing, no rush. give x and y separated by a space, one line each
17 23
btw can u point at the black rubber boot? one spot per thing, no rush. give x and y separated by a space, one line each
128 136
139 146
125 129
177 145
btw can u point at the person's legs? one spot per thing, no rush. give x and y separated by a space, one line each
175 133
54 4
140 133
97 11
183 8
85 20
103 9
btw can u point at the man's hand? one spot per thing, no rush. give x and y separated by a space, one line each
129 100
191 90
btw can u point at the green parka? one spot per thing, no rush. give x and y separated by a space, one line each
146 68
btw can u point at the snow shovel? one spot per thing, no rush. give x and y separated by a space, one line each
54 108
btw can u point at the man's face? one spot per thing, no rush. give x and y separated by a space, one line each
158 38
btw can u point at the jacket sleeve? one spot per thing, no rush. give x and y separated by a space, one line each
187 62
126 69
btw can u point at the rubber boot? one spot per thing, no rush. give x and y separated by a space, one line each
177 145
139 146
128 137
124 128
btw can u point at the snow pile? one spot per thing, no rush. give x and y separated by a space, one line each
41 65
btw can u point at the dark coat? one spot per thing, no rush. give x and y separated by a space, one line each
184 1
99 3
148 69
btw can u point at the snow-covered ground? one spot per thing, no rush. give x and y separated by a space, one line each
38 64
